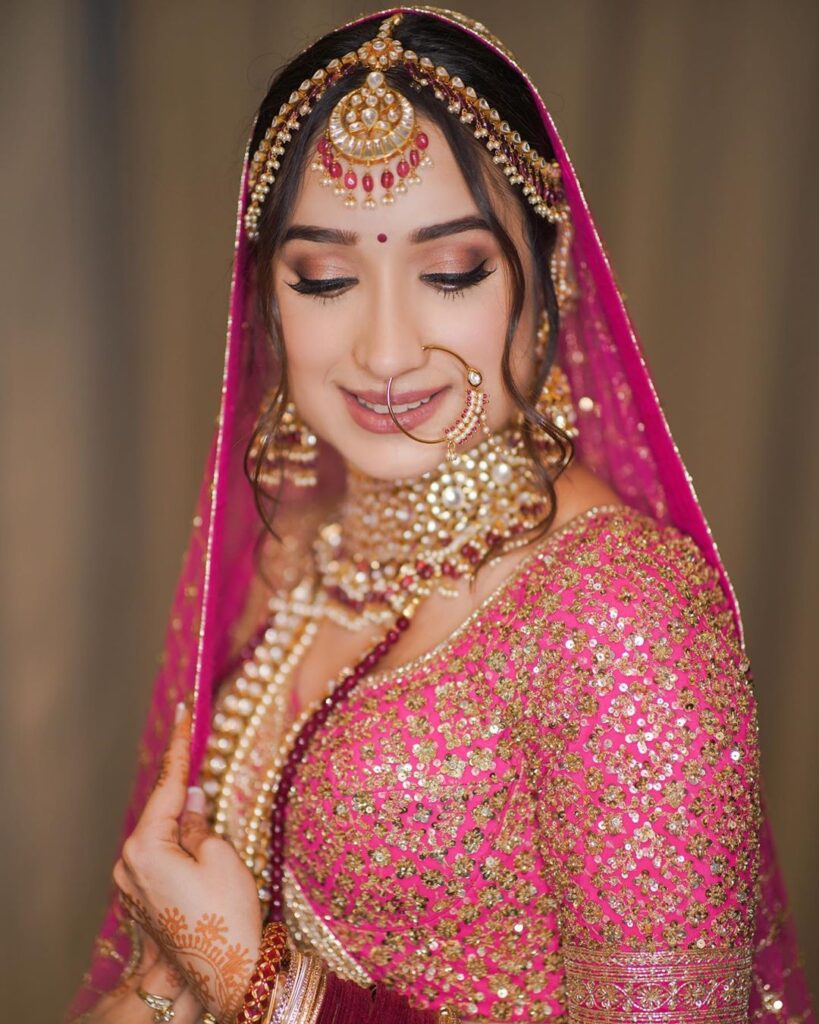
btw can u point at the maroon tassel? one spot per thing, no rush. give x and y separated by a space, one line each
345 1002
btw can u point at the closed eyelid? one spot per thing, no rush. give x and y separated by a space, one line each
459 262
435 271
448 263
449 285
319 268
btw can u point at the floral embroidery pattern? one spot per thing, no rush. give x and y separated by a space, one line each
690 987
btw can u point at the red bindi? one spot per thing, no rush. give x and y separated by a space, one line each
382 237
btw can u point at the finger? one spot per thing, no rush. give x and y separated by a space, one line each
187 1009
166 802
193 825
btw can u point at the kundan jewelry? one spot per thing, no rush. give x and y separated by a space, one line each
555 404
370 127
291 454
392 538
473 413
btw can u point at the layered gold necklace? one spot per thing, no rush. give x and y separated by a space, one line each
391 544
397 539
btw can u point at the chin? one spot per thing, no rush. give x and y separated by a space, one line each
383 453
396 458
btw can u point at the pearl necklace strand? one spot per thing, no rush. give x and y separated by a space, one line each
427 532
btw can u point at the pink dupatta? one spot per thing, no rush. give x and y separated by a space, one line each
624 437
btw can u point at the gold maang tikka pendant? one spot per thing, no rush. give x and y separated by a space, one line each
370 127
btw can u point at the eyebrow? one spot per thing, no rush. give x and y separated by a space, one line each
337 236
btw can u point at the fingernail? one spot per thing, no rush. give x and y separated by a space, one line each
180 711
196 800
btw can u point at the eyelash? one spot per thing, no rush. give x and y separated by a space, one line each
454 285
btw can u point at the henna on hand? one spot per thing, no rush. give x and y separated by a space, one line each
174 976
167 883
136 909
216 969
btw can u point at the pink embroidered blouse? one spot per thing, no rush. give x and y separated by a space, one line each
554 813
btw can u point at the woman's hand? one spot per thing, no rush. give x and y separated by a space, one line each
189 889
154 974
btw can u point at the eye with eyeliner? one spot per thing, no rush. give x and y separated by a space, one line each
446 283
321 286
454 283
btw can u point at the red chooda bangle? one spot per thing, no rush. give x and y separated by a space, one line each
259 990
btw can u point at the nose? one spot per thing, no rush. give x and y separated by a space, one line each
389 343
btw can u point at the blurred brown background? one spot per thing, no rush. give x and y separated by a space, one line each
695 129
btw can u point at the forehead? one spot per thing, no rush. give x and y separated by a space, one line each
442 195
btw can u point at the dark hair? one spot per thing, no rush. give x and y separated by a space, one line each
493 79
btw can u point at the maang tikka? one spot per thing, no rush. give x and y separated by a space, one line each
289 456
391 130
370 127
373 125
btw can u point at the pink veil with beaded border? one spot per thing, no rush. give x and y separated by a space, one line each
624 437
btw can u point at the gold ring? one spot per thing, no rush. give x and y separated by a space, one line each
161 1005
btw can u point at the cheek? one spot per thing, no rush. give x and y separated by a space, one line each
312 335
483 345
485 342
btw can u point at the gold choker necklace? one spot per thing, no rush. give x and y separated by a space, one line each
394 541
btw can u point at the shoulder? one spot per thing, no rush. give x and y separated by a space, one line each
616 556
635 636
614 588
603 551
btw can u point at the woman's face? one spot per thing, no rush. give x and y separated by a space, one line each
361 292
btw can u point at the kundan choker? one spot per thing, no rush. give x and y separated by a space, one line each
400 539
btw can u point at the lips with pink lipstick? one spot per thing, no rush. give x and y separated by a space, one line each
368 408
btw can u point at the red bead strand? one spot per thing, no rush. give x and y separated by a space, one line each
363 666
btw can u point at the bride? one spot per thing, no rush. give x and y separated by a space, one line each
454 666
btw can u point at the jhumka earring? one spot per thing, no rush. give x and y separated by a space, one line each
554 403
472 415
542 335
290 455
